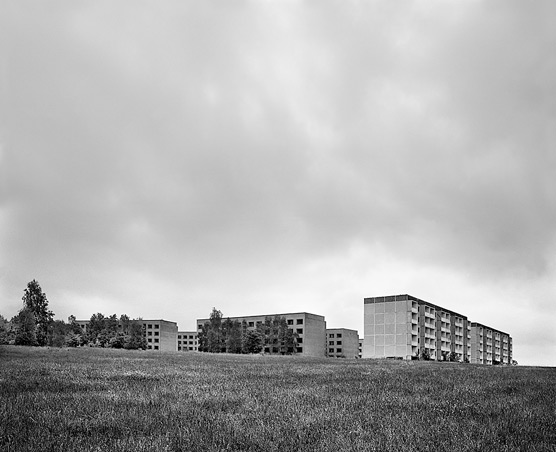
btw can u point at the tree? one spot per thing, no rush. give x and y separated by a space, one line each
425 354
34 299
453 357
253 342
57 331
7 332
25 328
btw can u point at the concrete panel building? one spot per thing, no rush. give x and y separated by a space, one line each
159 334
188 341
310 328
402 326
342 343
490 346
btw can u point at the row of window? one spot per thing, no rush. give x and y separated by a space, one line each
150 326
185 336
331 335
337 343
331 350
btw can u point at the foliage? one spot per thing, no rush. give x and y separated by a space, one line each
111 332
89 399
230 336
25 327
7 331
425 354
453 357
34 299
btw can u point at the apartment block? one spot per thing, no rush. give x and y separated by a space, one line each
490 346
188 341
403 326
160 334
310 328
342 343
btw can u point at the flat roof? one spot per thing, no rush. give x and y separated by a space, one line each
405 297
489 328
265 315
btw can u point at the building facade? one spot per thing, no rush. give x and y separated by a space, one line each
159 334
403 326
188 341
490 346
342 343
310 329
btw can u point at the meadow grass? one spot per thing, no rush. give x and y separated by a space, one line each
112 400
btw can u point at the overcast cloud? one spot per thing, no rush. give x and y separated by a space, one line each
159 159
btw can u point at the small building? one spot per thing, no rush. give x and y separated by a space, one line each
342 343
188 341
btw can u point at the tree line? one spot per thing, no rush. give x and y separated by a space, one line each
35 325
273 336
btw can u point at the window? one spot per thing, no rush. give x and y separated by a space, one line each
299 322
300 340
156 340
149 339
290 321
149 326
338 350
156 327
338 342
300 331
251 323
331 335
156 333
330 350
156 347
179 336
190 337
299 349
179 349
149 333
330 342
339 335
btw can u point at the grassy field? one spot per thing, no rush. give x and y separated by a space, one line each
103 399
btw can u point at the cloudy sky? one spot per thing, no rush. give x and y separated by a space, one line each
161 158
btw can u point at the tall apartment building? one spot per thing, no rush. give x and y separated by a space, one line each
310 328
402 326
160 334
188 341
490 346
342 343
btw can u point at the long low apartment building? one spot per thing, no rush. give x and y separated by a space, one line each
160 334
310 330
403 326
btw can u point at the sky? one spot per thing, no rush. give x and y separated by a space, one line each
159 159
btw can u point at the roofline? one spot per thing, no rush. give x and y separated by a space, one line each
405 297
265 315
